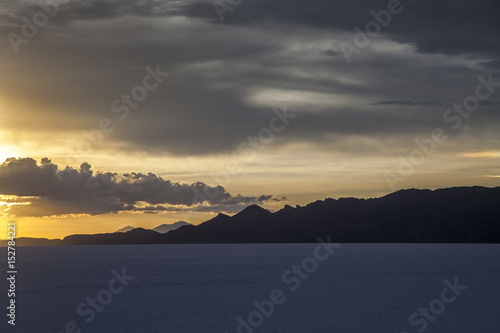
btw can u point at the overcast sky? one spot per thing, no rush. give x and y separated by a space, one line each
137 107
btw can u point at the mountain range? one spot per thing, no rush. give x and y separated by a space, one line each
451 215
162 229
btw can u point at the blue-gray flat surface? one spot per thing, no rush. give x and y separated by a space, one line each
372 288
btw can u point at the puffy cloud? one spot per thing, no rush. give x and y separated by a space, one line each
52 191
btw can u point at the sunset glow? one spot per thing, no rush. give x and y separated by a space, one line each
122 114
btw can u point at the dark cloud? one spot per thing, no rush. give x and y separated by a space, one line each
490 102
52 191
441 26
226 77
92 10
409 103
331 53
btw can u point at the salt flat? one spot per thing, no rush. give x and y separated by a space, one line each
357 288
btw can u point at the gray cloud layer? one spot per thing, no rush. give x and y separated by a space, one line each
441 26
226 77
70 191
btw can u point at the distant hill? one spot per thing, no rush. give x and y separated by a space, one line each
135 236
164 228
125 229
27 241
452 215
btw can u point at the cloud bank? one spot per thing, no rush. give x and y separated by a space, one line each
226 77
52 191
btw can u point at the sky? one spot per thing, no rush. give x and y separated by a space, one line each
121 112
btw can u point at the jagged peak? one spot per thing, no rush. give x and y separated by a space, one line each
125 229
253 210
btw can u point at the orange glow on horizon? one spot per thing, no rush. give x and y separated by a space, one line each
483 154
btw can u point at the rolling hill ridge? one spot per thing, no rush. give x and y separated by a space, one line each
451 215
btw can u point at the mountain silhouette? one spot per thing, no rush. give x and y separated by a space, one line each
135 236
452 215
125 229
164 228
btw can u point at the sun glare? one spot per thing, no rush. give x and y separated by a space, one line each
483 154
6 152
